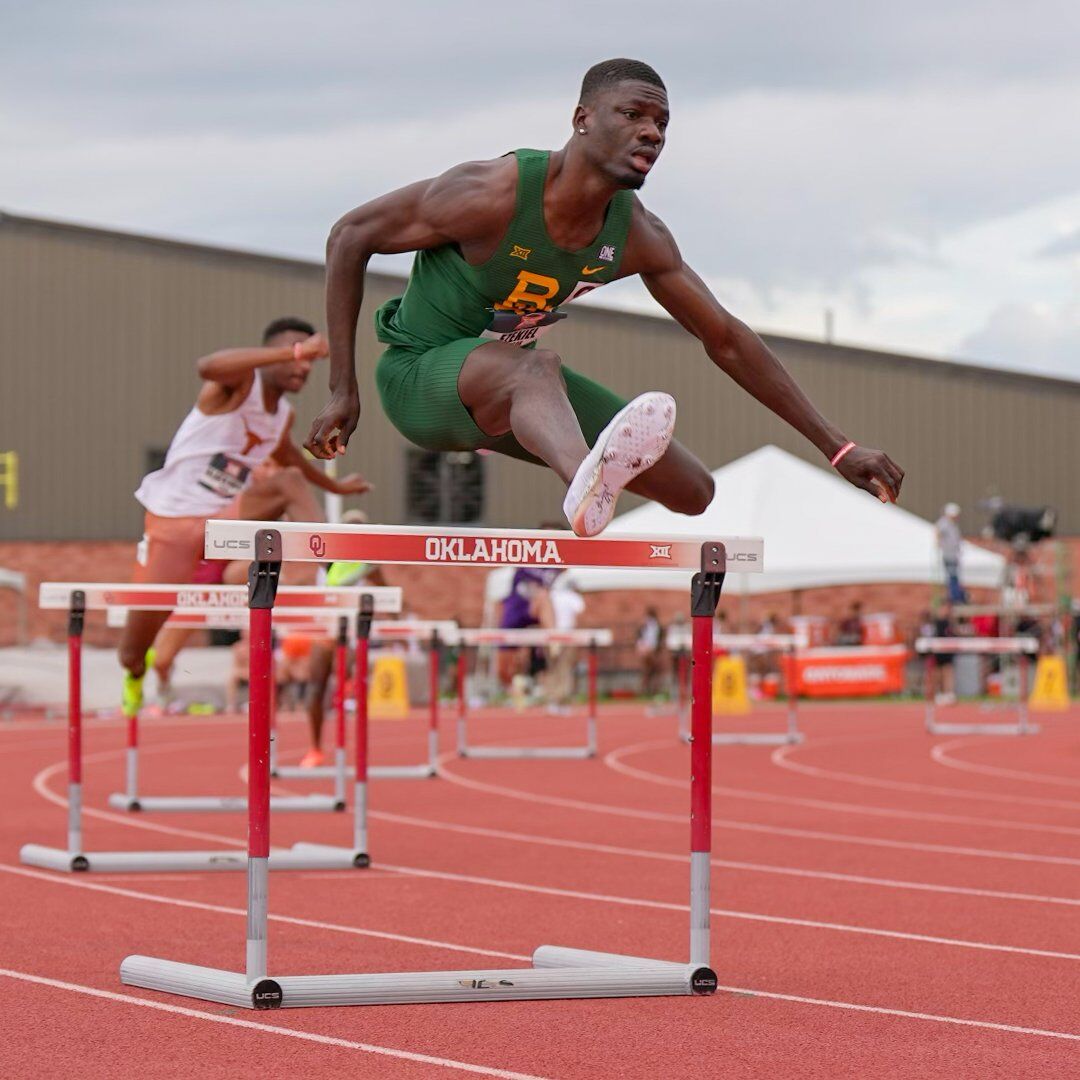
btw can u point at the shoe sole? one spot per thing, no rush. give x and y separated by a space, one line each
635 440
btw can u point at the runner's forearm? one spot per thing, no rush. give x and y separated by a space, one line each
346 260
233 364
745 358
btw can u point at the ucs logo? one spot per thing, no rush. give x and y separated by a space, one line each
317 545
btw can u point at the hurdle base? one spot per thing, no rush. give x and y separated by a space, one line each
375 772
123 862
504 752
755 738
346 856
223 804
556 973
934 728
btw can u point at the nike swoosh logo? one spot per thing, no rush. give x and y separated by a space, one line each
587 270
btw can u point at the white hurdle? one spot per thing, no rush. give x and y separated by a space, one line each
556 972
530 636
1022 647
677 640
74 857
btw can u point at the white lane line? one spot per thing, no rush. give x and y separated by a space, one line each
745 826
722 864
903 1013
838 927
781 757
220 909
614 761
268 1029
940 754
742 991
726 913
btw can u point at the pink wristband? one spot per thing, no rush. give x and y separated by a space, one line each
841 454
296 350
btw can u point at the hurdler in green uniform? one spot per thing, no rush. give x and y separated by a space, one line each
503 247
449 308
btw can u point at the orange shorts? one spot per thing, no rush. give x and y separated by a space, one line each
172 547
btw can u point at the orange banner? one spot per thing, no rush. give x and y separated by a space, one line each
853 672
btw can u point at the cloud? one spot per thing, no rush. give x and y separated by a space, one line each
1031 337
828 155
1069 244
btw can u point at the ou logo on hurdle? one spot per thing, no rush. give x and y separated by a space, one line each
317 545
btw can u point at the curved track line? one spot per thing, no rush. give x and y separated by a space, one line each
727 913
721 864
220 909
940 754
743 826
636 902
781 757
613 759
270 1029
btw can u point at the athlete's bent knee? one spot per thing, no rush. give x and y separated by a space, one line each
541 363
289 479
693 495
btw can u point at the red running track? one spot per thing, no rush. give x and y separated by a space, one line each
885 905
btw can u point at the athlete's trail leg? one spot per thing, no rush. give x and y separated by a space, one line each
678 481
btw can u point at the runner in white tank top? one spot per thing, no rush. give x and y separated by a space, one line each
231 457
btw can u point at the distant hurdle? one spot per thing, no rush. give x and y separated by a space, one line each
556 972
303 602
80 598
1022 647
434 633
531 636
678 641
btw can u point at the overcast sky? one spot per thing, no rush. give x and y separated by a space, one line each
915 167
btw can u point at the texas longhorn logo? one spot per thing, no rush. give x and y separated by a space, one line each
660 551
317 545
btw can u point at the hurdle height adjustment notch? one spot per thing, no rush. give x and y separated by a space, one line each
265 570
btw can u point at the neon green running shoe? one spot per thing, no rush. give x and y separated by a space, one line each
131 695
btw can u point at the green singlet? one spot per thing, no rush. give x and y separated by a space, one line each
450 308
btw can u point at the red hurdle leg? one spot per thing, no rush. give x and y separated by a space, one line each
434 663
76 616
360 784
594 670
462 701
262 589
929 671
704 597
341 666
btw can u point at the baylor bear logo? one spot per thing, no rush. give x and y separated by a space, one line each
531 293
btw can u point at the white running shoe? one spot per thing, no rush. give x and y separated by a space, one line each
635 440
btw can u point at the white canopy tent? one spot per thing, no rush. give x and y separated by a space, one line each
818 530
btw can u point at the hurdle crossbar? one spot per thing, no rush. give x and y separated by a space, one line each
556 972
74 858
531 637
933 647
744 643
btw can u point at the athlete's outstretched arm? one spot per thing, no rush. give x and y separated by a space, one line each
739 352
231 367
426 214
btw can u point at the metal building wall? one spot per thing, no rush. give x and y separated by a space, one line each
102 330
